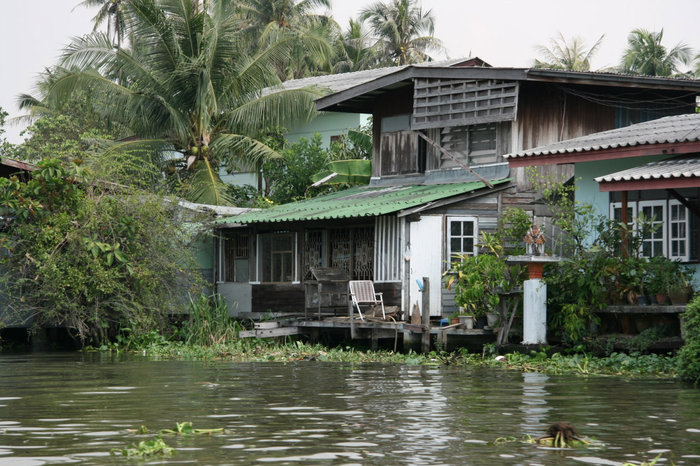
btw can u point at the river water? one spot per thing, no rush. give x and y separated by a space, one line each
75 408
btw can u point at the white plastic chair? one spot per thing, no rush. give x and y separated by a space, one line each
362 292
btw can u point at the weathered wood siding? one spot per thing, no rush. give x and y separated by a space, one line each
547 114
278 298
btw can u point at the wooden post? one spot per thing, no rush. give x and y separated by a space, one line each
353 334
425 342
624 219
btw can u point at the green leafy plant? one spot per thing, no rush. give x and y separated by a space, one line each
209 322
689 354
153 447
479 279
186 428
91 260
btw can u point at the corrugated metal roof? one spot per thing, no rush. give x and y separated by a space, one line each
677 167
341 81
357 202
672 129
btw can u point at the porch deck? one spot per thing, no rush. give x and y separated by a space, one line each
366 330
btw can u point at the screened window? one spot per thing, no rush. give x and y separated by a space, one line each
277 258
236 257
462 236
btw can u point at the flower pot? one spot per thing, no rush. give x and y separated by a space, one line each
455 320
467 322
678 296
491 319
642 300
661 298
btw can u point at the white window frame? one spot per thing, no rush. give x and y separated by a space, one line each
664 223
631 221
448 234
686 239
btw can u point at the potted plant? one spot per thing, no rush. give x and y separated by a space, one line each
660 272
479 279
679 288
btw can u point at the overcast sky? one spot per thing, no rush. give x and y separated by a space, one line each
501 32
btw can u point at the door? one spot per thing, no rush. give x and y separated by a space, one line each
426 246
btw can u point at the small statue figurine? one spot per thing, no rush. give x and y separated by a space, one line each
534 241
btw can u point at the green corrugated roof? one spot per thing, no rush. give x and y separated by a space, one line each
357 202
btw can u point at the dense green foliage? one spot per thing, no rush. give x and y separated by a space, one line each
403 29
646 55
689 355
93 261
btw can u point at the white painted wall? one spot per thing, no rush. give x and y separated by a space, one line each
426 245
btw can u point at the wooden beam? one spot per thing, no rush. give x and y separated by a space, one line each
606 154
458 162
691 207
645 185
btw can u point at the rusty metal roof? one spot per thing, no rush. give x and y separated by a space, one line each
358 202
672 129
677 167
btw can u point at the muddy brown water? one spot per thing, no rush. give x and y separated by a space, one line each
75 408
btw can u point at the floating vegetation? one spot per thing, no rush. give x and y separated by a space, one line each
562 435
559 435
186 428
153 447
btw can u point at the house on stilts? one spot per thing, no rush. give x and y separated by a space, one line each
439 179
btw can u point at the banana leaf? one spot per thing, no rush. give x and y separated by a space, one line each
354 171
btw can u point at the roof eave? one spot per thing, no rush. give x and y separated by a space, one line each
611 79
343 100
642 185
592 155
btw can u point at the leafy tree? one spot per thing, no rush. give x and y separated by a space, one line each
84 258
570 55
289 177
5 146
646 55
403 29
190 92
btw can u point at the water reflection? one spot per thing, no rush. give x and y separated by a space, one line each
76 408
534 404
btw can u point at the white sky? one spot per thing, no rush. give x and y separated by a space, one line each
501 32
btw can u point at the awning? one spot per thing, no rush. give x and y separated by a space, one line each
359 202
674 173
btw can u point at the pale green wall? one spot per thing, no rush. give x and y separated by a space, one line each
327 124
588 191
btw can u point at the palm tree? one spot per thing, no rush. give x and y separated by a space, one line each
110 12
403 29
356 50
312 49
189 87
567 55
645 54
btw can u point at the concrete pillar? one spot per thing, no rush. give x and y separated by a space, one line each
534 312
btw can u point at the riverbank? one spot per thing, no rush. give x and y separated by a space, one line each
617 364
